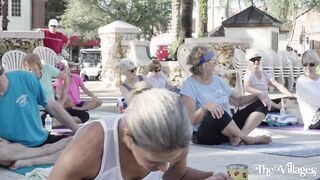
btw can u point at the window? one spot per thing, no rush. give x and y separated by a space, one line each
274 41
16 8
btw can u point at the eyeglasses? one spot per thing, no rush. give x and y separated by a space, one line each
157 70
53 26
133 70
255 59
308 64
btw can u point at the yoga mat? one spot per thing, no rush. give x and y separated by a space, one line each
25 170
62 131
295 127
275 148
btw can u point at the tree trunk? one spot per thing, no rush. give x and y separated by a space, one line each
5 19
186 19
175 18
203 18
227 9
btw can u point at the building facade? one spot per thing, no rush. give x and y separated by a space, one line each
25 15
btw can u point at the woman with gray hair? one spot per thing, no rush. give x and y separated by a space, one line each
128 69
151 142
257 80
307 89
207 99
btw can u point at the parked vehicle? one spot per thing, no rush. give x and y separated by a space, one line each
90 60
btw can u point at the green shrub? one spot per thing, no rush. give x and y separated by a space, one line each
174 48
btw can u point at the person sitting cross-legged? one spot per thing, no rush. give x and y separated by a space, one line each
207 99
46 73
129 70
20 95
74 84
308 86
157 78
257 81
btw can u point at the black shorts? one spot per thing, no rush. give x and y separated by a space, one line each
210 129
82 115
80 104
53 138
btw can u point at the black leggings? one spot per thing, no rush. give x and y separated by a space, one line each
53 139
316 119
82 115
210 129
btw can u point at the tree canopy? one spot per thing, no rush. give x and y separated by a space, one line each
54 9
86 16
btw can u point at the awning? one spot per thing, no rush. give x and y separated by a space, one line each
77 41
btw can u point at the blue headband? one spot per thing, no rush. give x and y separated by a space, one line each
205 58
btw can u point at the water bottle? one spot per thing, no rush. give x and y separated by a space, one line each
283 108
120 106
48 123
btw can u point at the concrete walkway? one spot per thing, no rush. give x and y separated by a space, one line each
261 166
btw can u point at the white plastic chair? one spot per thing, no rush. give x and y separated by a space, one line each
276 65
287 69
47 55
139 52
239 62
12 60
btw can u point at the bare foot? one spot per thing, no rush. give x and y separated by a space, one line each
258 140
21 163
6 163
234 141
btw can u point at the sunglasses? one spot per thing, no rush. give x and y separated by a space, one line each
53 26
308 64
1 70
133 70
60 66
157 70
255 59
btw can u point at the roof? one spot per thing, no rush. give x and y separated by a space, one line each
119 27
217 32
251 17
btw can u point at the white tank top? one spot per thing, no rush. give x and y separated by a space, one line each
110 166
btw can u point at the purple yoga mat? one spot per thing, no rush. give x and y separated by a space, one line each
62 131
295 127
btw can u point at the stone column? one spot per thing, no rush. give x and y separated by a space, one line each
115 39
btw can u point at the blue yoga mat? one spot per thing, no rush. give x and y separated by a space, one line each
25 170
276 148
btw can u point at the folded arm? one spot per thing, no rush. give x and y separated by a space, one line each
238 100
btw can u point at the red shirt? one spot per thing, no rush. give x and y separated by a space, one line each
54 41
